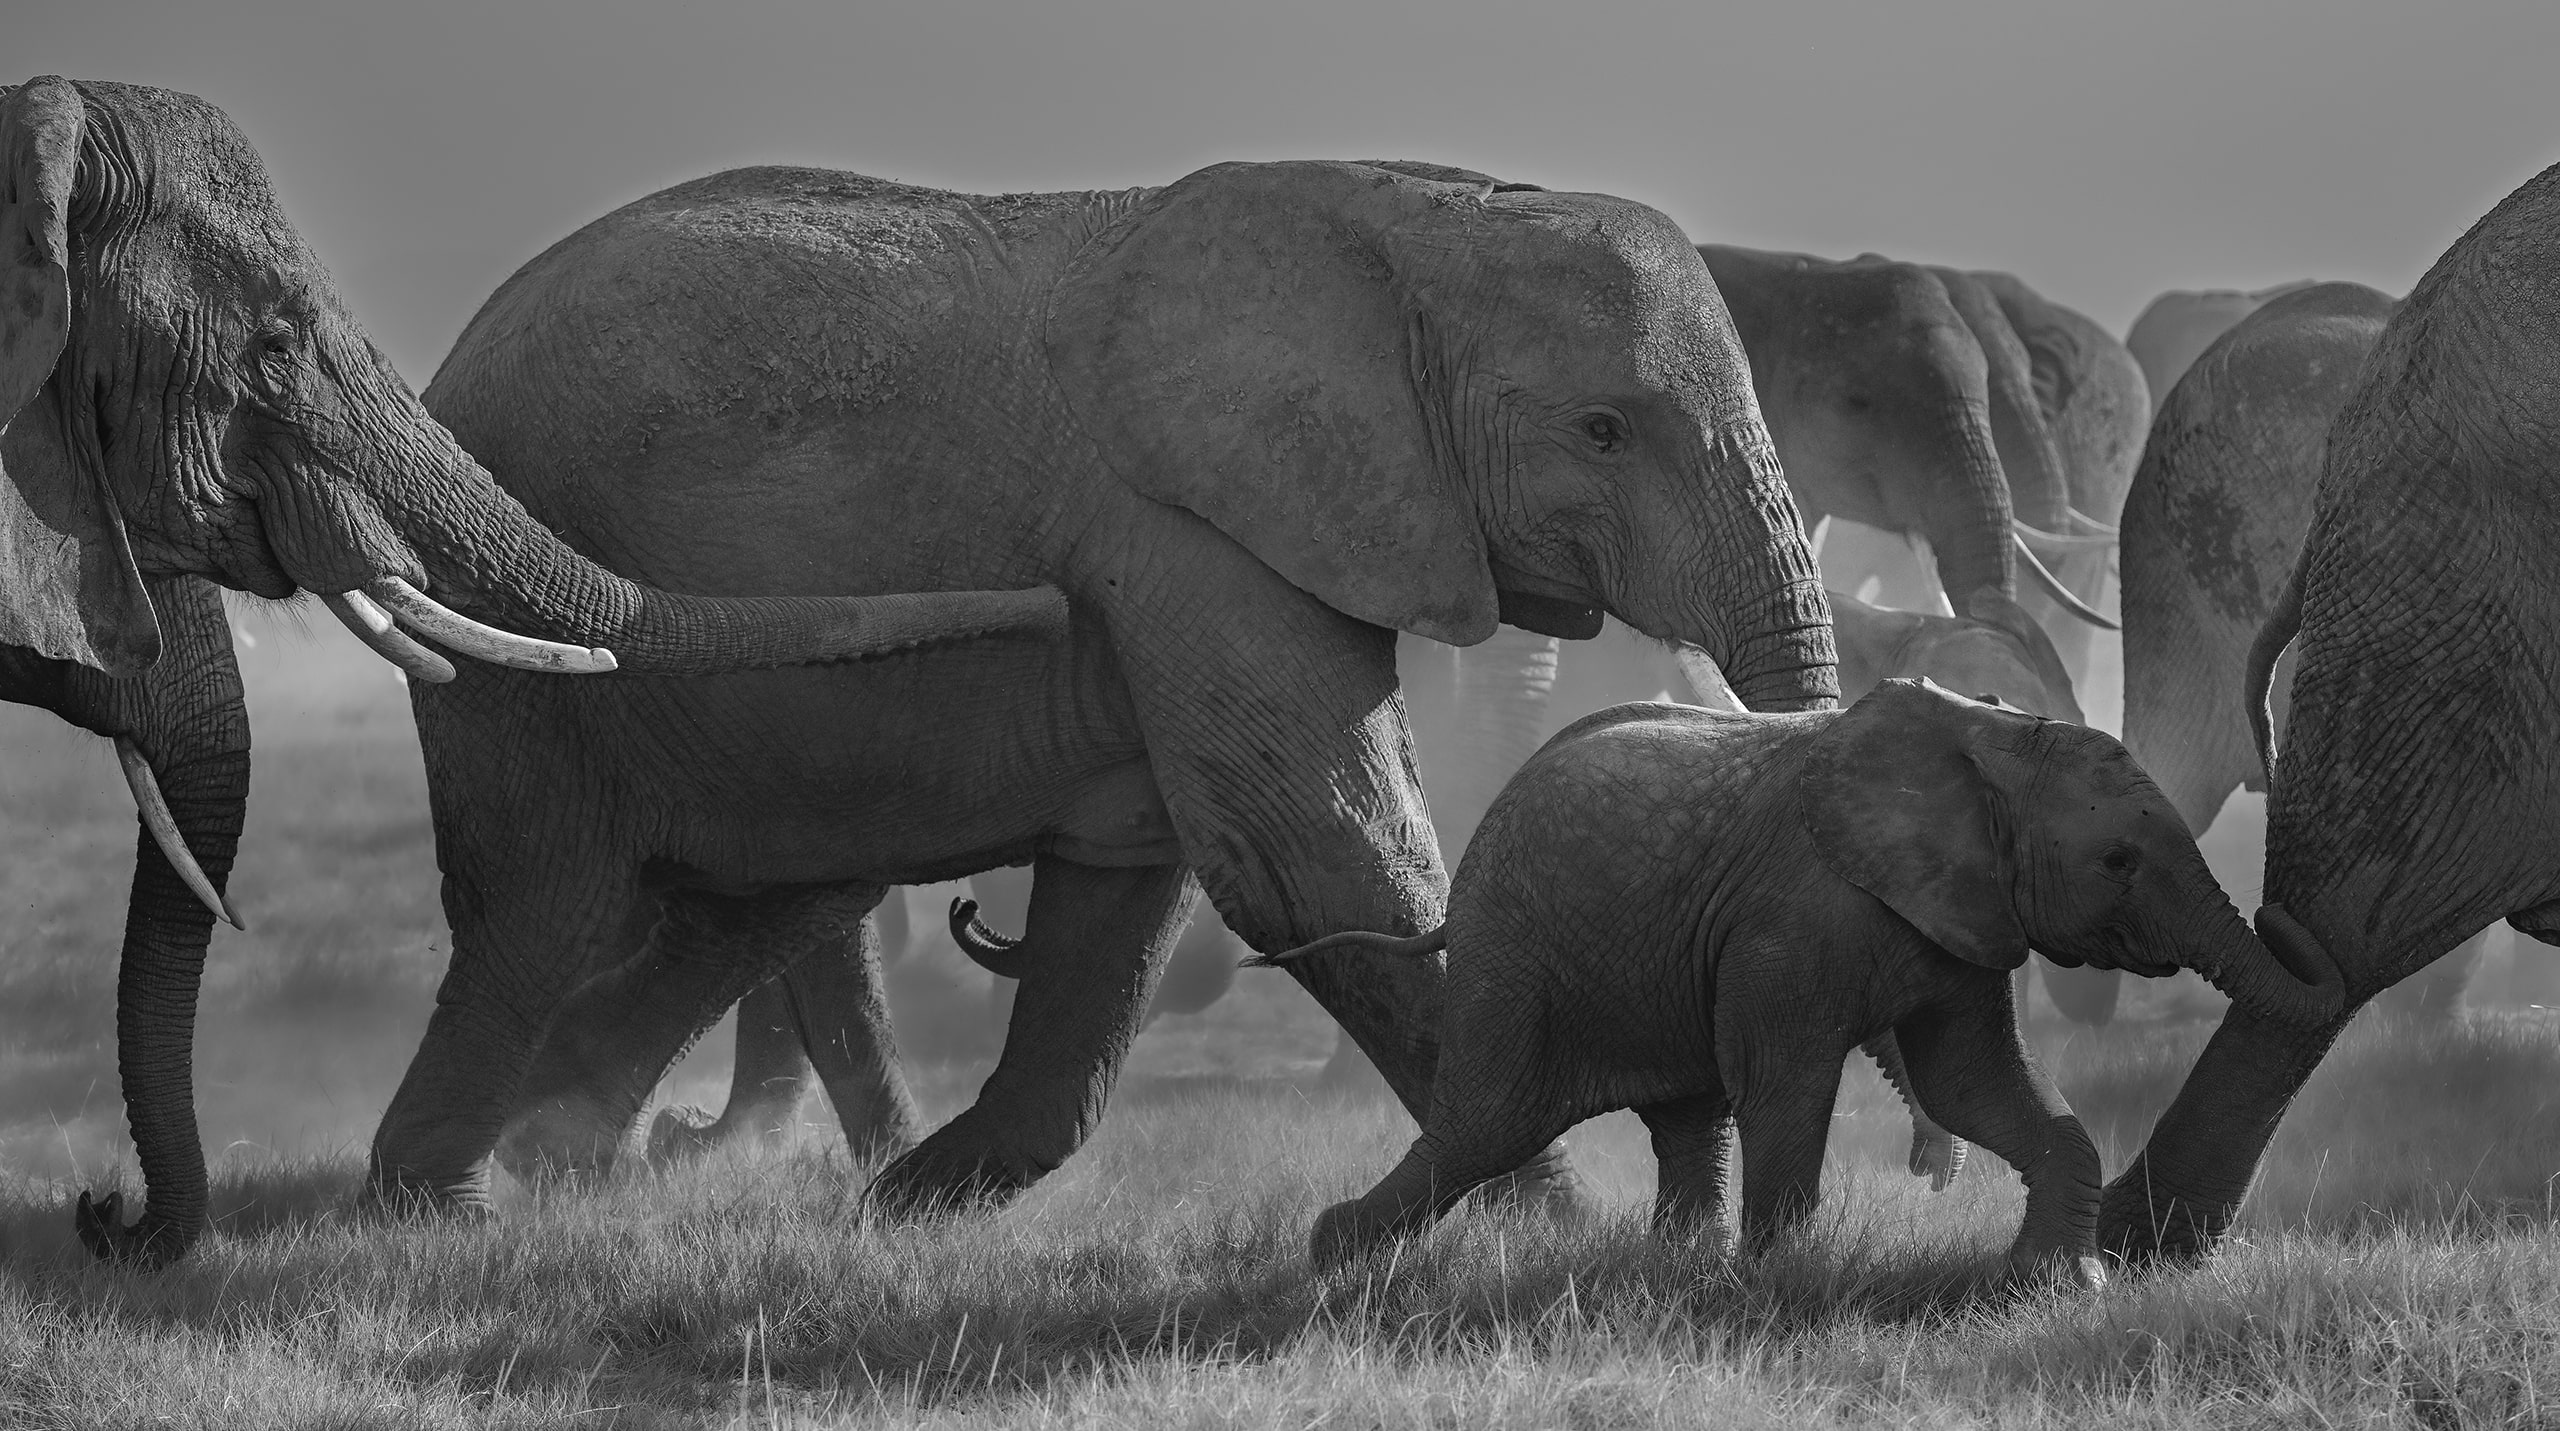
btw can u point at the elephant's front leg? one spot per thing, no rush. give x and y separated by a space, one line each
1971 1070
580 1104
1102 937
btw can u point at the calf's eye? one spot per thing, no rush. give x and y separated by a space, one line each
1604 431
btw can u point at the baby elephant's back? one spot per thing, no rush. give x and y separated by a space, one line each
1608 831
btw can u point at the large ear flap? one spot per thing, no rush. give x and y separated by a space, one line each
1244 347
1987 605
1898 807
68 585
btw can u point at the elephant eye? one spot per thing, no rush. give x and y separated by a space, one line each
2120 861
276 342
1857 402
1604 431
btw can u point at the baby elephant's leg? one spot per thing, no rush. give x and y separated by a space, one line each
1973 1073
1692 1148
1785 1112
1495 1104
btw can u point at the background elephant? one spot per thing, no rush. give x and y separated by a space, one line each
2097 406
2412 806
183 394
2174 329
1753 900
1881 391
1249 422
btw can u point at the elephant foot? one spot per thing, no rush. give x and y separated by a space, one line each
1545 1184
563 1139
2076 1268
149 1243
1346 1232
2135 1231
942 1177
402 1193
681 1133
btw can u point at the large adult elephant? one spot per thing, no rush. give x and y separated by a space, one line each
183 395
1253 422
2217 517
2412 806
2174 329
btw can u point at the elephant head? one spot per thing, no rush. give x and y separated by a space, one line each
1437 405
1993 832
1995 649
183 394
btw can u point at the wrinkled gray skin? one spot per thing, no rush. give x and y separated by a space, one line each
185 395
2412 805
2211 531
1698 914
2096 404
1252 423
2174 329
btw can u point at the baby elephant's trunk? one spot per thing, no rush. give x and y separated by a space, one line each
1430 941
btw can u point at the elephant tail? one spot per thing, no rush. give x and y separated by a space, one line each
1001 956
2278 633
1430 941
1936 1154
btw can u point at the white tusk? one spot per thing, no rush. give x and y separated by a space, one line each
2063 596
458 632
2059 542
164 829
374 627
2090 524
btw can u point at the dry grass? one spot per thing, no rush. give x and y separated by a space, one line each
2397 1268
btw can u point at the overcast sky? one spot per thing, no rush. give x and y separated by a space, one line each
2102 152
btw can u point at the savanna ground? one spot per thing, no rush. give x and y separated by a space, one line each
2397 1264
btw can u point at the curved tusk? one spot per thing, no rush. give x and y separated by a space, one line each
2090 524
2062 595
374 627
2059 541
164 830
452 629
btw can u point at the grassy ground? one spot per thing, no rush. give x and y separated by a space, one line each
2397 1266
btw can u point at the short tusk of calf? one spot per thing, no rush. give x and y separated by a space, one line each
164 830
374 627
458 632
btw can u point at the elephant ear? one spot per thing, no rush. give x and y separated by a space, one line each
1898 806
1988 605
68 584
1245 347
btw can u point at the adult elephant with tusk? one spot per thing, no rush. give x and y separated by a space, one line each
183 395
2412 804
1254 422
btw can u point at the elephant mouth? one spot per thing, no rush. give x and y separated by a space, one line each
1547 615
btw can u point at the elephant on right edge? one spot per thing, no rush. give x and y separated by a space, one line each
2215 522
2412 803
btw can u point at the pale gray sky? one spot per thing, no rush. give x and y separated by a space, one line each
2103 152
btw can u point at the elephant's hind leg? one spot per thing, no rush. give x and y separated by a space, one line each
1102 935
767 1079
522 939
579 1108
1692 1149
1501 1096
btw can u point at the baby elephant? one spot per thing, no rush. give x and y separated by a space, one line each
1697 914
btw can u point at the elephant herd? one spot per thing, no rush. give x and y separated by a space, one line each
893 536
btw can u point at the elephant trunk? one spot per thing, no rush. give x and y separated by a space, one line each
196 738
1968 523
478 538
2281 974
1786 660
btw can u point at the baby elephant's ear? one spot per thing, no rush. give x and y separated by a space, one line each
1897 805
